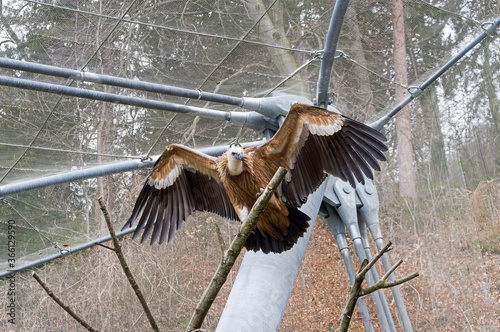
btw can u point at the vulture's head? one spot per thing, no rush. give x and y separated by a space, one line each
235 159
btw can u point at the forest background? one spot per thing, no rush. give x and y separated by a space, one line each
446 227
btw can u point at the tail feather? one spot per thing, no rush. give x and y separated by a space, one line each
299 222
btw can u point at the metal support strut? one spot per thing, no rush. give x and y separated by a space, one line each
355 210
368 217
337 227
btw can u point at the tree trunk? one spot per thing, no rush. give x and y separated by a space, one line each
357 52
105 128
432 122
403 125
272 31
493 102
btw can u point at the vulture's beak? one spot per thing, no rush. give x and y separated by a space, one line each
239 156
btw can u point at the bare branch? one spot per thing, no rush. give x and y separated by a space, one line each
388 273
123 263
232 252
357 291
386 284
361 275
62 304
220 239
105 246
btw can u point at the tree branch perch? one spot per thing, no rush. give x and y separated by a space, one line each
232 252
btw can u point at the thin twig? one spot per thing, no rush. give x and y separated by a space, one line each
62 304
220 239
232 252
362 273
104 246
386 284
126 270
388 273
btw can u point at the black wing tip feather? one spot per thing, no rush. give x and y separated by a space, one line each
365 129
148 202
299 222
363 145
164 210
138 206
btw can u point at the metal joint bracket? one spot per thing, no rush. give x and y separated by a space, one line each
368 212
274 106
199 94
146 158
414 91
318 55
329 101
489 27
64 251
341 54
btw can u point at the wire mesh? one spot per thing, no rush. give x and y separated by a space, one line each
216 46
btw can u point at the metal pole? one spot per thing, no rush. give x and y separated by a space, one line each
252 120
368 255
93 172
368 215
332 38
264 283
416 91
85 76
65 253
348 214
86 173
347 208
269 106
337 228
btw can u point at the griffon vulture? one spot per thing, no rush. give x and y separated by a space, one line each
311 143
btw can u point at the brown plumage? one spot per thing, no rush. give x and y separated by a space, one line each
311 143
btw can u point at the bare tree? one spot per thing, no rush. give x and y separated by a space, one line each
364 94
273 33
403 125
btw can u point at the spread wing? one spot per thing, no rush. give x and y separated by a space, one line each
313 141
182 181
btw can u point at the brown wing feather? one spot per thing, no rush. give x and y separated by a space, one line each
313 142
182 181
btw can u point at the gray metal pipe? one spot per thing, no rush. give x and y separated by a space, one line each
85 76
269 106
64 253
369 217
86 173
337 228
264 283
93 172
252 120
348 213
416 91
374 273
332 39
